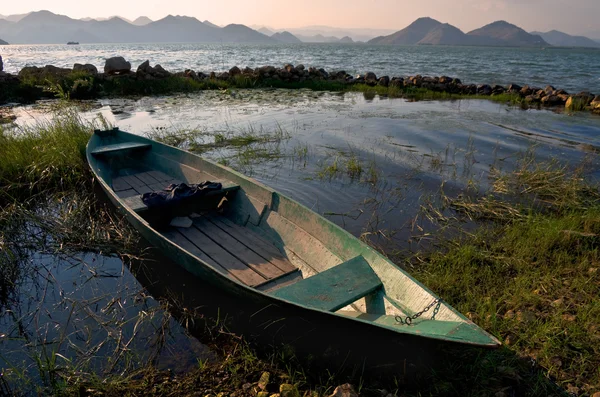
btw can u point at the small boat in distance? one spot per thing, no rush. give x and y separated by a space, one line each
264 247
73 43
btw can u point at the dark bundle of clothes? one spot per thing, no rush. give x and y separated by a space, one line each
174 193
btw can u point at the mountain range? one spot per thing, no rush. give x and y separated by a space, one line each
428 31
45 27
560 39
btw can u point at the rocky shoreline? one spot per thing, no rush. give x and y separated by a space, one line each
118 69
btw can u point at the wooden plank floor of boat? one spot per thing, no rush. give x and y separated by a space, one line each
235 251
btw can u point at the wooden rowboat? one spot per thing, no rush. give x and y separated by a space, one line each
256 243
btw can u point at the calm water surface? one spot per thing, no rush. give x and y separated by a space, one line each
571 69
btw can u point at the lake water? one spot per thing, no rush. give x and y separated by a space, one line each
405 150
571 69
406 153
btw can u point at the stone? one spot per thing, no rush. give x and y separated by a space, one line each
264 380
234 71
397 82
484 89
594 104
288 67
117 65
370 78
145 67
509 314
223 76
300 67
552 100
549 89
262 394
1 64
384 81
87 68
345 390
558 302
159 71
597 394
247 71
514 88
288 390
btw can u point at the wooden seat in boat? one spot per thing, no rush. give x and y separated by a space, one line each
333 288
123 147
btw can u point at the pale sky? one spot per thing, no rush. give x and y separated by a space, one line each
571 16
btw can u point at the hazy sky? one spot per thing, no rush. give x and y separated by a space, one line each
571 16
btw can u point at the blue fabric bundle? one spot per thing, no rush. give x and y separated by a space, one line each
174 193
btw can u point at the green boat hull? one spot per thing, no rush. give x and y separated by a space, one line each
330 266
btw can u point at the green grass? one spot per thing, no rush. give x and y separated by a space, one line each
49 156
529 274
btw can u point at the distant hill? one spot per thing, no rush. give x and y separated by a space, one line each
346 39
318 38
410 35
44 27
2 42
141 21
266 31
554 37
502 33
356 34
285 37
444 34
14 18
209 23
428 31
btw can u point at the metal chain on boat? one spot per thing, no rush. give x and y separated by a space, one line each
409 319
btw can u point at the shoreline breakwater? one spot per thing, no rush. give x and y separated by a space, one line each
84 81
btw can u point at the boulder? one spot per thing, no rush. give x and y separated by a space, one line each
445 80
48 70
1 64
117 65
552 100
223 76
145 67
87 68
497 90
514 88
191 74
526 90
160 72
397 82
300 68
484 89
549 90
370 78
234 71
595 102
384 81
456 81
288 67
248 71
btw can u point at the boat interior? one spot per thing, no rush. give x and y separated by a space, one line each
263 240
